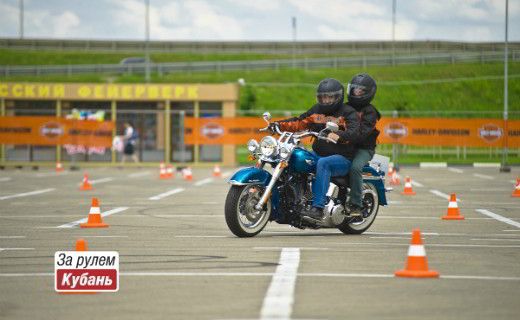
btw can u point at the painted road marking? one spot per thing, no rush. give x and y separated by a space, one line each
103 180
278 301
203 182
139 174
498 217
26 194
442 194
417 184
202 236
456 170
265 274
104 214
15 249
483 239
52 174
401 233
103 236
166 194
226 174
12 237
4 179
483 176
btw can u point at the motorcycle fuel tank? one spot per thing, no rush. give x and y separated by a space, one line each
303 161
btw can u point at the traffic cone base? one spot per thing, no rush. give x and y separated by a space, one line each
81 245
417 274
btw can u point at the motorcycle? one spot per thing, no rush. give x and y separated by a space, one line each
257 196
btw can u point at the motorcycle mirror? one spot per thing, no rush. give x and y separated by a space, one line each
333 127
266 116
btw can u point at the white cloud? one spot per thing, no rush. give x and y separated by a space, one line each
338 11
377 29
258 5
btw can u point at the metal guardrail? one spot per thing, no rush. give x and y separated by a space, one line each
287 47
218 66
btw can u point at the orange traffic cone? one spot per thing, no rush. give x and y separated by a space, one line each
453 210
516 192
59 167
81 245
216 172
408 191
94 217
416 264
169 171
162 171
188 176
86 184
395 181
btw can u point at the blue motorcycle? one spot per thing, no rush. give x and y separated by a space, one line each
258 196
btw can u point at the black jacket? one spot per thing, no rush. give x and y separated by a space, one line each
315 120
368 133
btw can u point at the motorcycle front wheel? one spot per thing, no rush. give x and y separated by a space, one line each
241 216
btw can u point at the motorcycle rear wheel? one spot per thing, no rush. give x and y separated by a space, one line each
371 207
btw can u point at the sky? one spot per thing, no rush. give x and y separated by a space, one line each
263 20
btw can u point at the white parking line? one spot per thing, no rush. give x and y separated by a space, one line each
264 274
166 194
15 249
455 170
442 195
226 174
401 233
103 180
498 217
139 174
104 214
202 236
483 239
203 182
52 174
446 245
26 194
483 176
417 184
4 179
12 237
278 301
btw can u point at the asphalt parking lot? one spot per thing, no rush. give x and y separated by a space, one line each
178 260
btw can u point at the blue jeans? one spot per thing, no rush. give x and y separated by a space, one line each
327 167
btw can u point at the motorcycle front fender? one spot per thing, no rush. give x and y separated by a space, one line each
250 175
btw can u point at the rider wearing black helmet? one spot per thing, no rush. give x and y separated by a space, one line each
334 159
360 92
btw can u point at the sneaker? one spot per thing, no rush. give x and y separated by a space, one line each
355 210
313 212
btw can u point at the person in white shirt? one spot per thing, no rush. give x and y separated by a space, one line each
129 140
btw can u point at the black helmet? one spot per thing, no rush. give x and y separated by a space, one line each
330 94
361 90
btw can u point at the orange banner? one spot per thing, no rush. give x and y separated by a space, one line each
406 131
55 131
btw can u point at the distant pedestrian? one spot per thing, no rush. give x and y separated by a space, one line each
130 140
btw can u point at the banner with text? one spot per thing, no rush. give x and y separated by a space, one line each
55 131
406 131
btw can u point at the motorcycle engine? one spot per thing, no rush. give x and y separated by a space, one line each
337 214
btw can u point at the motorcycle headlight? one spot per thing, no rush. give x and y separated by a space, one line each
269 146
284 152
252 145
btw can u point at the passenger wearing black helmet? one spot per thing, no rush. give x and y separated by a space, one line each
360 92
334 159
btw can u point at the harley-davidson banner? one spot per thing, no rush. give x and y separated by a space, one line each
406 131
55 131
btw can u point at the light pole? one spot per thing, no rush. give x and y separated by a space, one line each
394 4
21 18
503 166
294 42
147 43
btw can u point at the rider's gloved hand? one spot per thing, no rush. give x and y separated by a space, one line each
273 126
333 136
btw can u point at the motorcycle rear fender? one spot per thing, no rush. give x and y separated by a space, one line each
250 175
380 188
